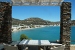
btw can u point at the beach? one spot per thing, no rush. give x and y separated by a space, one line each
19 28
15 30
72 47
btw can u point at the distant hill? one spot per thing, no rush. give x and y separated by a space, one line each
73 22
29 21
15 21
35 21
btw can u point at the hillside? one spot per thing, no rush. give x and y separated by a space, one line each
29 21
73 22
35 21
15 21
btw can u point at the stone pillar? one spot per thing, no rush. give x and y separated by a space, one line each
65 25
6 22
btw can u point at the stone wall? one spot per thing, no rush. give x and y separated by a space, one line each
65 29
5 22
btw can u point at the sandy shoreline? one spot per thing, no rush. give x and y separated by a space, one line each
72 47
25 29
22 29
15 30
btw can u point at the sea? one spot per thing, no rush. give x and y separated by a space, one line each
51 33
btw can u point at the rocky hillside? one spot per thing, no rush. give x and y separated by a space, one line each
73 22
35 21
29 21
15 21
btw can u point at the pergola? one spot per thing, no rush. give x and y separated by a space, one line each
37 2
6 18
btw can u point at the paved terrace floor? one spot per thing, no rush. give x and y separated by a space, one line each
37 43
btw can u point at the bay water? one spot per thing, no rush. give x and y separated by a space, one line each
51 33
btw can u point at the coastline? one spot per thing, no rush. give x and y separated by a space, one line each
15 30
22 29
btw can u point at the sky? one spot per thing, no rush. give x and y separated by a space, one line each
51 13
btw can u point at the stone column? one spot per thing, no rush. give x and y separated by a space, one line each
65 25
5 14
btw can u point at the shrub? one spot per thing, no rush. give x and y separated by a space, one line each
23 36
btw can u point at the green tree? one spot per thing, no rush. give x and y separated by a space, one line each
23 36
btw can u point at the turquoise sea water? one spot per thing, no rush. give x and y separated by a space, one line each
45 33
